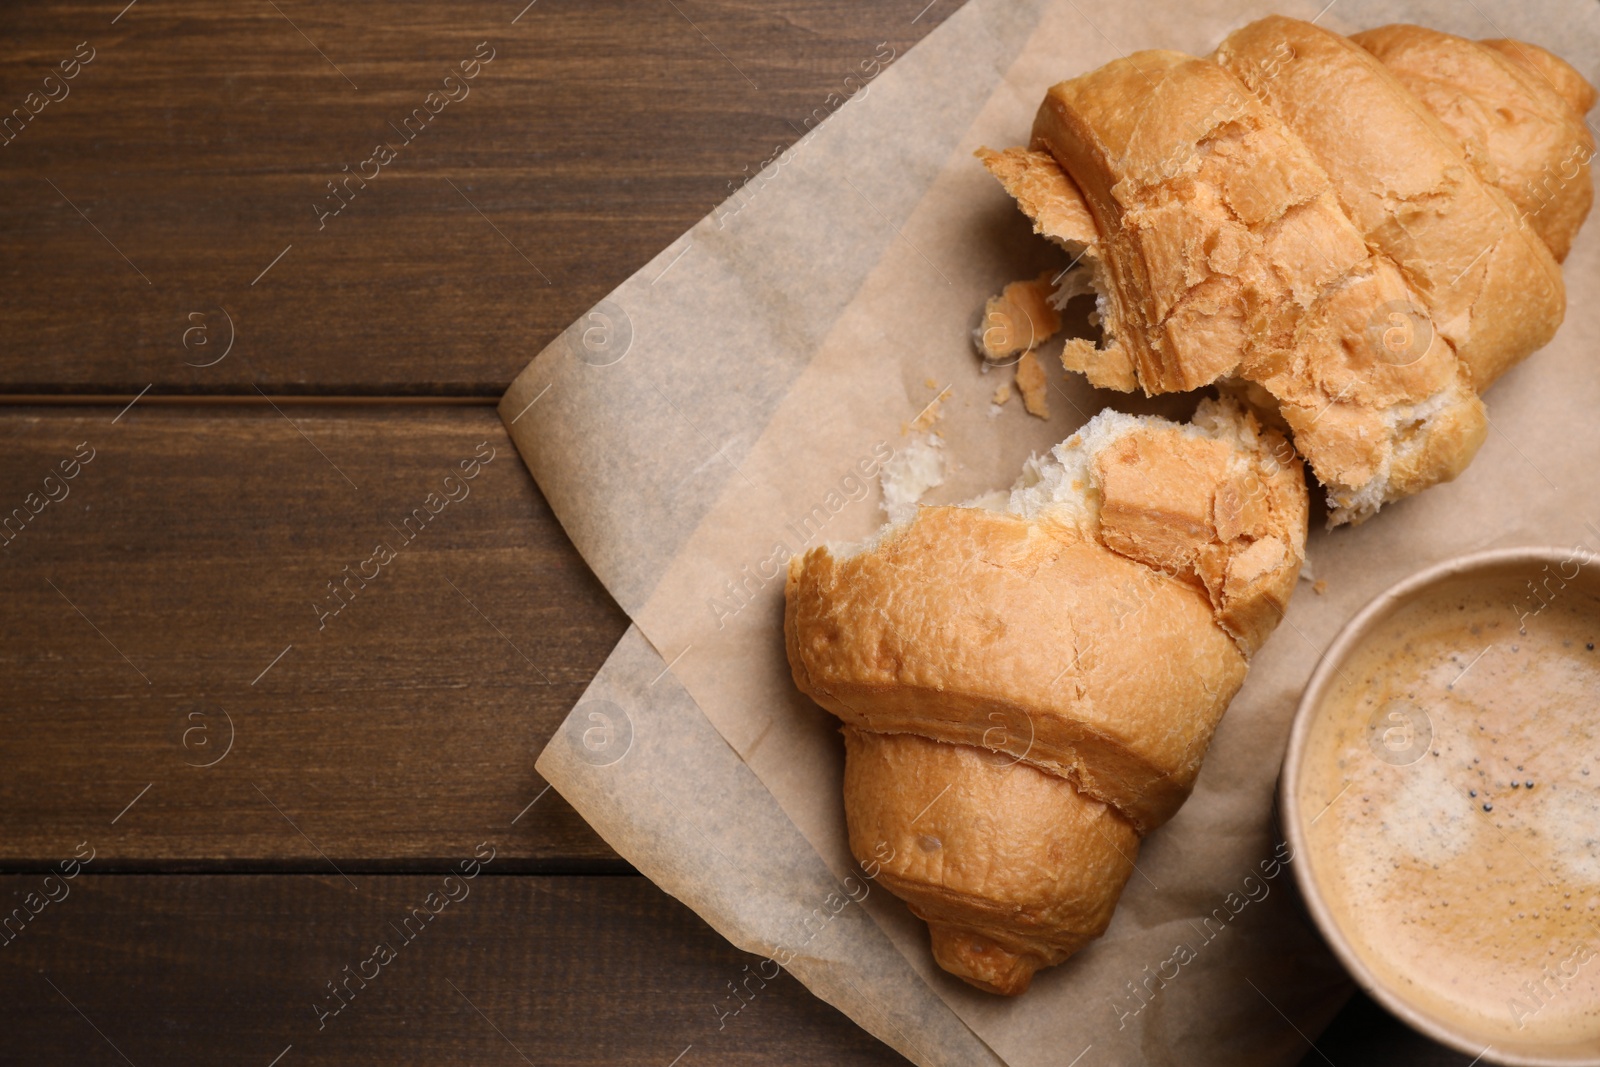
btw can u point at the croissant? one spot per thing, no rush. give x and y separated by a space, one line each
1360 233
1028 682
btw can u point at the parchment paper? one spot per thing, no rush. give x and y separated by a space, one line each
715 413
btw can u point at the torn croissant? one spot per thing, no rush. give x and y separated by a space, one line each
1371 237
1029 682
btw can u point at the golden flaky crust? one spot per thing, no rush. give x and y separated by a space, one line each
1181 169
1516 128
1046 194
1228 513
1371 242
1113 669
1050 199
1554 71
1492 286
1009 866
1062 673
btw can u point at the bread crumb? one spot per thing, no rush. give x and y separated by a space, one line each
931 383
1020 319
1032 384
914 468
1319 586
1002 393
930 414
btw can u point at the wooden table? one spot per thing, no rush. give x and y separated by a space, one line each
229 368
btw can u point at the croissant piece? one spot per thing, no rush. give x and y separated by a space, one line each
1367 239
1029 682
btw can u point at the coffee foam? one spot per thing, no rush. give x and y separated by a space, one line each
1476 901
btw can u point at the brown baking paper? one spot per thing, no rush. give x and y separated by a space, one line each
719 410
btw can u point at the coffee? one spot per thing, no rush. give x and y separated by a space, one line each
1450 793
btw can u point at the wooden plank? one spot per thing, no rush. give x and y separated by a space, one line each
177 586
547 970
565 970
189 152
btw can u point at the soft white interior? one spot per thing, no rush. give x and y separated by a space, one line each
1061 485
915 467
1077 280
1086 275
